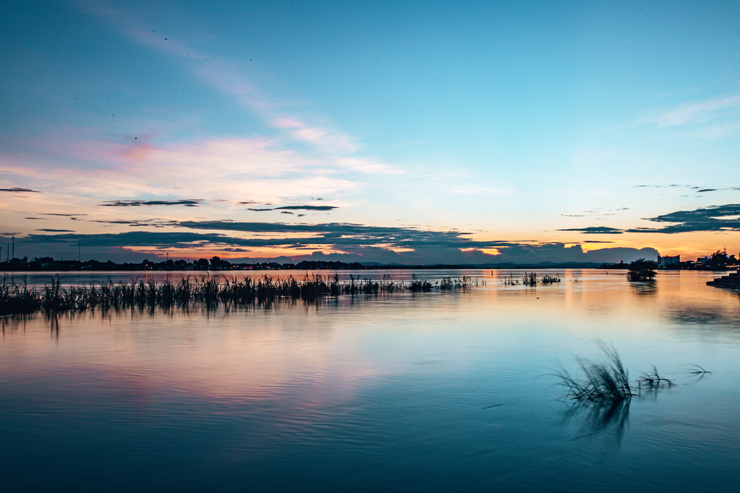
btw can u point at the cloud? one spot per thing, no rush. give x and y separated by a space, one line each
604 230
345 234
49 230
673 185
559 253
691 187
732 189
698 112
138 203
346 241
713 218
338 235
228 77
156 223
421 247
299 208
18 189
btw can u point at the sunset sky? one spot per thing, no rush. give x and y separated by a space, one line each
412 132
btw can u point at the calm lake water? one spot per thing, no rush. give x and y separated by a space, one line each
426 392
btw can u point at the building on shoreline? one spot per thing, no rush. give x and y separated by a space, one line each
666 261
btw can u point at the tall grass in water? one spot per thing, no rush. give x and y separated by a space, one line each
17 298
603 393
602 382
529 279
652 380
547 279
449 283
510 281
419 285
53 297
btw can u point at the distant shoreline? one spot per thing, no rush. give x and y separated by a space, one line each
48 264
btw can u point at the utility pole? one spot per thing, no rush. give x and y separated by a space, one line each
79 251
13 247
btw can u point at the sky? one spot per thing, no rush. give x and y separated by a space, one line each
392 132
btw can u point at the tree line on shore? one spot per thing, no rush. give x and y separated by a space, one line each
719 260
49 264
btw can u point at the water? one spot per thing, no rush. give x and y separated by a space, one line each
426 392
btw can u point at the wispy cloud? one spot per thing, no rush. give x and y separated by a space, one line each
139 203
229 78
238 170
698 112
18 189
298 208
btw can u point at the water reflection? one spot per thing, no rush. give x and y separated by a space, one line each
643 288
406 392
599 416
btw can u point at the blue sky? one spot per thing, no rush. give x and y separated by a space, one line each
515 127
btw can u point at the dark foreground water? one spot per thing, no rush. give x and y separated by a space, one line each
426 392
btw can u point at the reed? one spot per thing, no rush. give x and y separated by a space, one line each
211 291
17 298
694 370
652 380
529 279
547 279
419 285
510 281
602 382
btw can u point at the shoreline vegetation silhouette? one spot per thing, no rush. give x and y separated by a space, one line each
18 298
719 260
49 264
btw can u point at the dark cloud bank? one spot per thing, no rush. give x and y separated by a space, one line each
713 218
369 243
361 244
